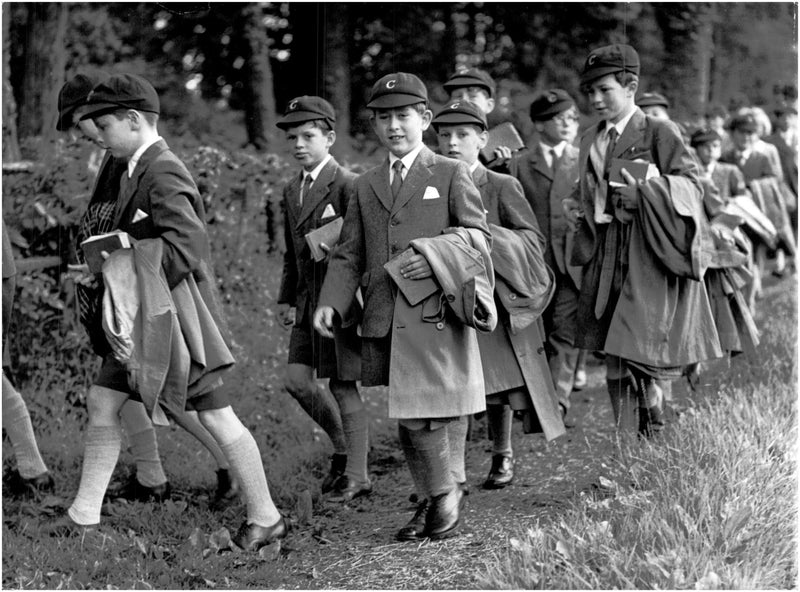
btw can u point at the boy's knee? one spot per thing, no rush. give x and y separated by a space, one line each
104 405
347 396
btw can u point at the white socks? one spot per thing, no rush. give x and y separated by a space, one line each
247 467
100 456
17 424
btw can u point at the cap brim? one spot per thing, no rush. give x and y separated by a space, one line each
394 100
596 73
454 83
456 119
97 109
297 117
553 111
65 118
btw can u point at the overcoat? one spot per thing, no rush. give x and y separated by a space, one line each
655 316
728 180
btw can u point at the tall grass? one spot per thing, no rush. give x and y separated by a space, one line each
710 505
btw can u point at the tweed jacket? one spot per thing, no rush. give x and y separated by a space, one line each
437 193
728 180
545 190
327 200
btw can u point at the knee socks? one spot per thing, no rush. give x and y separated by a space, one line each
457 440
17 424
143 444
100 455
500 419
432 454
356 434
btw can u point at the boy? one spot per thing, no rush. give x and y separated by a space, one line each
412 194
476 86
461 130
159 204
549 174
149 482
727 178
313 199
642 298
654 104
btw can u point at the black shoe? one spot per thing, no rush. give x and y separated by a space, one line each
463 487
338 465
35 487
62 526
413 530
443 518
501 473
251 537
348 489
569 420
227 489
651 422
134 491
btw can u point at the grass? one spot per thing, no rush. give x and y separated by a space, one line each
711 505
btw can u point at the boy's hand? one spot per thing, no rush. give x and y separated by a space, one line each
417 268
502 154
627 197
287 315
323 321
572 211
80 274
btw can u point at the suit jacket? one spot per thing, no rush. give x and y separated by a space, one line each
728 180
164 201
377 228
757 165
302 277
545 189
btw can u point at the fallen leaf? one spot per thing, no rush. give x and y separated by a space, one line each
270 552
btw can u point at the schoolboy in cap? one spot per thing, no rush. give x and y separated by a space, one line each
412 195
642 298
549 174
727 178
312 199
159 206
654 104
475 85
510 385
149 482
754 164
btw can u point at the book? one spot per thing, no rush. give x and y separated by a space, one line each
327 234
638 169
504 134
415 291
94 246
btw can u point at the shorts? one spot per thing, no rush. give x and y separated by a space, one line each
338 358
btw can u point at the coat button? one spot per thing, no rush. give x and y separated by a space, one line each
450 298
393 222
440 325
512 296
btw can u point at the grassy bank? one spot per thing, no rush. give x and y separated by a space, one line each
712 505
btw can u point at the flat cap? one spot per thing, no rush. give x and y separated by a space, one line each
122 91
460 113
397 90
652 99
72 95
608 60
745 123
702 136
471 77
549 103
307 108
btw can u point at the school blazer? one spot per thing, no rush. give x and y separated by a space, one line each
728 179
757 165
302 277
545 190
437 193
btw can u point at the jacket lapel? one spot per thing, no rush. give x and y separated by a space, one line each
586 145
561 181
632 134
128 187
416 178
480 178
539 162
293 195
380 184
319 189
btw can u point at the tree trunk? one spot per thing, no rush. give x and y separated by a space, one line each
45 60
260 105
11 152
336 66
705 55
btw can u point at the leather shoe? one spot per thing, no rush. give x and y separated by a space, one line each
336 471
62 526
569 420
651 421
501 473
349 489
34 487
443 517
227 489
413 530
251 537
134 491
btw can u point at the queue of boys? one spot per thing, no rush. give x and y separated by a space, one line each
464 287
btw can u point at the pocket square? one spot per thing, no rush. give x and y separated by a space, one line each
138 216
328 212
430 193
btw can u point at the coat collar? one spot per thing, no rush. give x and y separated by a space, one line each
539 162
318 190
416 176
128 187
479 176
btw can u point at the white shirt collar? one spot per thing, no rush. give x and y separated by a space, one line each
622 123
134 160
559 148
711 166
408 160
474 166
315 173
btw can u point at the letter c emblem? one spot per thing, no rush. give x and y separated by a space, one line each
591 59
391 83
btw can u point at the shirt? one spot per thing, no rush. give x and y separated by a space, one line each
407 160
598 155
547 151
316 171
134 160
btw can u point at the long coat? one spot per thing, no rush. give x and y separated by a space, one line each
545 189
654 317
437 193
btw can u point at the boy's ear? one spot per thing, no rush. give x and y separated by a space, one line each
490 103
427 116
331 135
483 138
633 85
135 118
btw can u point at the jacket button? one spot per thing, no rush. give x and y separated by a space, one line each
440 325
450 298
512 296
393 223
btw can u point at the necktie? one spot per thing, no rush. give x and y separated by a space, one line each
304 189
553 159
611 240
397 182
612 142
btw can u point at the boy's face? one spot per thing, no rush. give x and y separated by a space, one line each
743 140
476 95
656 112
610 99
400 129
86 127
118 134
309 144
709 152
461 141
562 127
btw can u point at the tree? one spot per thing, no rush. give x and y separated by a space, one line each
11 150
